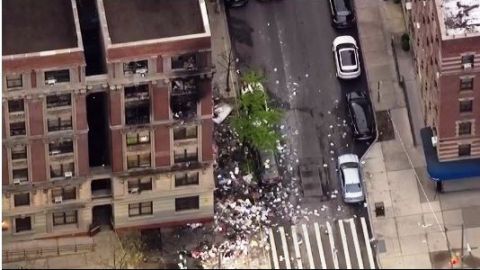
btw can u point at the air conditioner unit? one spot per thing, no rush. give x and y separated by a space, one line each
143 138
467 66
68 174
434 141
141 71
17 181
408 5
51 81
58 199
134 190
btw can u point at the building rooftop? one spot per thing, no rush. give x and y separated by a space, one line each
461 16
136 20
34 26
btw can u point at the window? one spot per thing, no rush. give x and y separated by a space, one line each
59 101
137 113
61 169
67 193
138 185
466 83
140 67
19 152
57 76
14 81
140 209
187 203
20 175
468 59
186 155
181 133
17 129
466 106
185 179
138 161
16 105
23 224
137 92
21 199
63 218
185 61
59 123
465 128
464 150
60 147
140 137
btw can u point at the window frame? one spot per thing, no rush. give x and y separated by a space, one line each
187 207
15 80
466 106
20 101
141 206
467 151
137 183
29 218
65 218
60 98
62 74
138 161
26 175
59 146
20 123
61 124
63 168
17 155
65 192
134 137
463 127
130 68
26 201
187 180
466 84
183 133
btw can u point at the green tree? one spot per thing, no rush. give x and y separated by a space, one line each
130 253
256 122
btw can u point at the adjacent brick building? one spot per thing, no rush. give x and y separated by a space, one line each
106 115
446 40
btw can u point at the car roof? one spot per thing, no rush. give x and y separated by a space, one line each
347 158
351 175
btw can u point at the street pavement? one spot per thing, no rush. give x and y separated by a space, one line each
291 43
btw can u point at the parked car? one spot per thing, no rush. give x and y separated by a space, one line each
361 113
342 13
269 167
350 178
235 3
345 51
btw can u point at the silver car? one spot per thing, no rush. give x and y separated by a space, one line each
350 178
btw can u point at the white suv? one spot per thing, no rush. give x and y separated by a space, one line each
345 51
351 181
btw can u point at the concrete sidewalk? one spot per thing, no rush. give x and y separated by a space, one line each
420 228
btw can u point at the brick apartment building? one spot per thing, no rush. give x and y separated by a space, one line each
446 43
107 109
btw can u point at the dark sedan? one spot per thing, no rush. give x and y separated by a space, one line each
342 13
361 113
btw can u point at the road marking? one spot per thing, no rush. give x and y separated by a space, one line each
355 243
344 243
274 249
367 243
285 247
332 246
307 245
296 247
320 246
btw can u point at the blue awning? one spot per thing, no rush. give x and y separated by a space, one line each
448 170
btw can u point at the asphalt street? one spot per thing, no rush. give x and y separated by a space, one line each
291 42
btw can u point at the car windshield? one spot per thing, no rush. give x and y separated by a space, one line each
349 165
342 6
353 188
360 116
347 58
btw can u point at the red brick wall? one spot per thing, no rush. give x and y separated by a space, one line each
82 155
207 102
35 115
33 79
207 134
43 62
162 146
454 47
5 178
81 111
115 108
38 170
116 151
161 105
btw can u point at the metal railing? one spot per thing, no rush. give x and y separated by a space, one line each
34 253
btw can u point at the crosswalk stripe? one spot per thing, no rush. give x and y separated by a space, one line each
355 243
332 246
320 246
307 245
367 243
285 247
274 249
344 243
296 247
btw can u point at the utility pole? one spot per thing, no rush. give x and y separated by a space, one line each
462 254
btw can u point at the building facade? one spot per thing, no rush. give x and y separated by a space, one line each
446 42
107 121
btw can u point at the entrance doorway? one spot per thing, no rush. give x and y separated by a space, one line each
102 215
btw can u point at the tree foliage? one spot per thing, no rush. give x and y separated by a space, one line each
256 122
131 251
